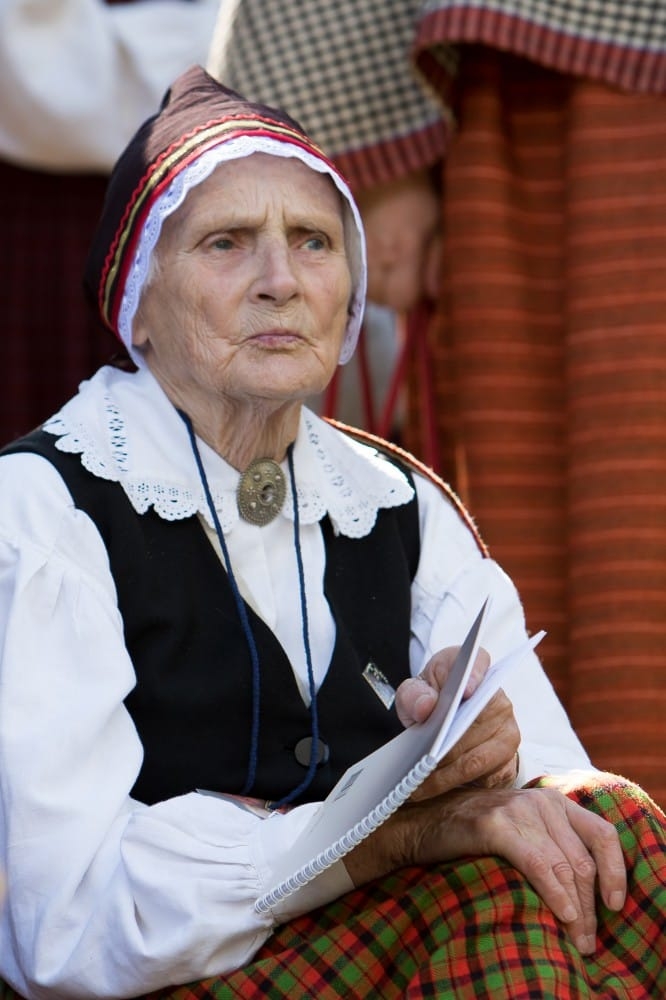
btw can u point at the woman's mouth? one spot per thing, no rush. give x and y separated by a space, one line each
278 338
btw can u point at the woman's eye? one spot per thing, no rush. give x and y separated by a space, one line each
315 243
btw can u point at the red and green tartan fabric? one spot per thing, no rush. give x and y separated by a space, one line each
470 929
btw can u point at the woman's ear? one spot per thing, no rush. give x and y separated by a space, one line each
139 329
140 325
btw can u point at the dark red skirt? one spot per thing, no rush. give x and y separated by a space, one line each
51 339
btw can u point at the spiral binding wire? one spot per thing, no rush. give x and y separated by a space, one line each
352 838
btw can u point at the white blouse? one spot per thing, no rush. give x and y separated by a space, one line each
108 897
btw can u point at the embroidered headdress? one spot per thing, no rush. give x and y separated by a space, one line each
199 125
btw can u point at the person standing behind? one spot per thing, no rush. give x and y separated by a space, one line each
544 241
64 68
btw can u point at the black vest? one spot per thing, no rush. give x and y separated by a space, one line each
193 696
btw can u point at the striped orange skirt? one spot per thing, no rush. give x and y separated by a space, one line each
549 357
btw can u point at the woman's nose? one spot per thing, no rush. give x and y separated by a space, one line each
276 278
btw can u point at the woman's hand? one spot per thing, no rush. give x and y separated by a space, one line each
565 851
403 233
486 754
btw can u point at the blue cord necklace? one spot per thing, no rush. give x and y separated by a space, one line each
249 637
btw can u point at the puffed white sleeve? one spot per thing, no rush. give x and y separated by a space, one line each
106 896
452 581
79 76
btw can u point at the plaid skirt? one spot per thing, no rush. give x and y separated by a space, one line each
470 929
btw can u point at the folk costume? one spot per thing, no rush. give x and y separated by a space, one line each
547 123
125 679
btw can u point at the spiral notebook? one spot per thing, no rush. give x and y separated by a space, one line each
373 788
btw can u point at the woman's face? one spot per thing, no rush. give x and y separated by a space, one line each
250 294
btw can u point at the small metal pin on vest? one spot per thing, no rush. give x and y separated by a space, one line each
380 684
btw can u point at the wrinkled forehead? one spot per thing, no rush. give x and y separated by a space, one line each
245 192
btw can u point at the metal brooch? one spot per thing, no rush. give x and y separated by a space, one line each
262 489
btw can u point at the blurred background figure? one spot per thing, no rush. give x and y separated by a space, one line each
65 68
368 392
509 158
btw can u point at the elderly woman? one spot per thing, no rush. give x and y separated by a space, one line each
195 573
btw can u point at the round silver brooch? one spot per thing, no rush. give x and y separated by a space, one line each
261 491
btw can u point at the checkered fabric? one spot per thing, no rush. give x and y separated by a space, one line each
637 24
471 930
302 54
622 42
474 929
349 69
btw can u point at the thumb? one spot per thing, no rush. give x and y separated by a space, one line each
414 701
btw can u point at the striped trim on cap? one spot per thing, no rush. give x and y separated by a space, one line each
200 125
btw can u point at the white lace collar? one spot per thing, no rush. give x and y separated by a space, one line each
126 430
